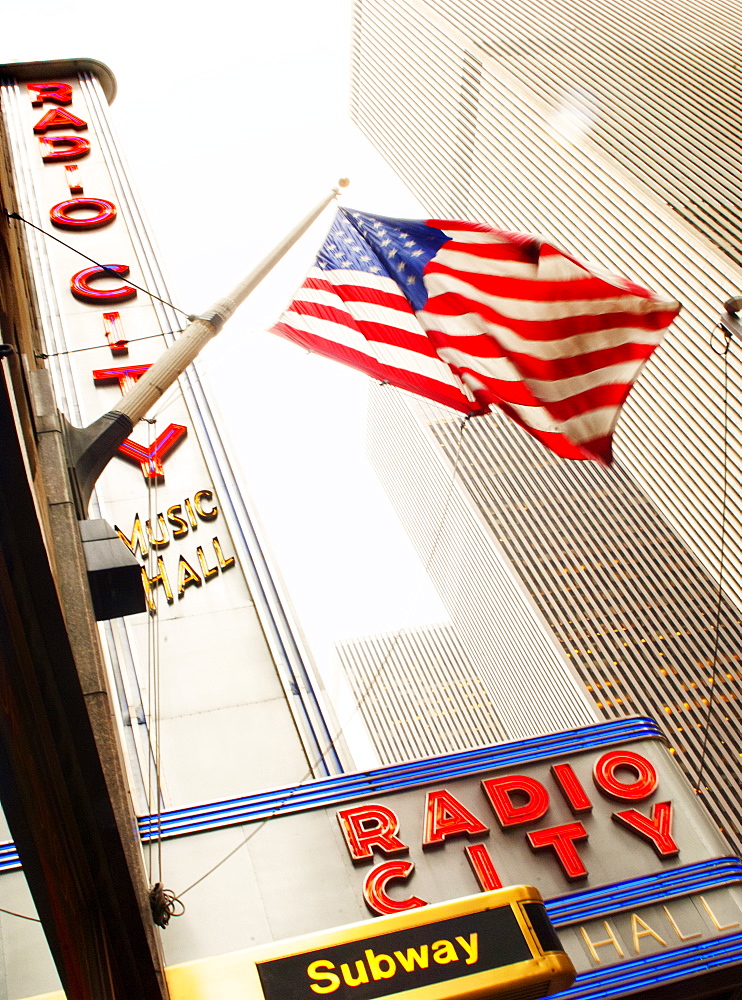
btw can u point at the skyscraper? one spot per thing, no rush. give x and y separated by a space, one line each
418 692
540 120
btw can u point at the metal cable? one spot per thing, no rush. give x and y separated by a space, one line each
112 274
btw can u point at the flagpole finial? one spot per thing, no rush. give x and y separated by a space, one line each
343 182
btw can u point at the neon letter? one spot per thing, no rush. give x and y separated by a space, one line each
137 540
186 576
105 213
60 93
198 501
637 935
151 582
611 939
73 179
446 817
127 377
59 118
115 333
366 827
224 561
178 523
80 284
562 839
484 871
500 790
654 828
78 147
604 775
374 888
151 458
571 788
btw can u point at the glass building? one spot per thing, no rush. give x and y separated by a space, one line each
609 128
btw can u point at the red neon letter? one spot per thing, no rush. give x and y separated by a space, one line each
105 212
80 285
604 775
654 828
115 333
77 147
60 93
59 118
127 377
151 458
366 827
374 888
479 858
446 817
571 788
508 813
73 179
562 839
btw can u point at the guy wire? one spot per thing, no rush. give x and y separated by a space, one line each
21 916
153 675
105 267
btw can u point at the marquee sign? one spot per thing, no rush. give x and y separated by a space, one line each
517 801
634 875
171 491
107 305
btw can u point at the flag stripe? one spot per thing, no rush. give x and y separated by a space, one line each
372 312
344 332
461 305
520 300
569 366
382 333
469 325
502 370
555 411
431 388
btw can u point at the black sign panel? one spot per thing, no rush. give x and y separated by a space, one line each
404 960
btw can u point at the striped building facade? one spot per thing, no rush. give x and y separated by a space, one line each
610 129
418 693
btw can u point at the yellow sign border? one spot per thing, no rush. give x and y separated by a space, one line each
235 976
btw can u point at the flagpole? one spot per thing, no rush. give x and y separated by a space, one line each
90 449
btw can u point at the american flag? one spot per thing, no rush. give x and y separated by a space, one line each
473 317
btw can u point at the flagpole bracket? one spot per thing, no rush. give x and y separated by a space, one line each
89 450
215 320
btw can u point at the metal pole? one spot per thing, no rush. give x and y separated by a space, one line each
155 382
91 448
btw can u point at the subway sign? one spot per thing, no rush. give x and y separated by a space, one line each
493 944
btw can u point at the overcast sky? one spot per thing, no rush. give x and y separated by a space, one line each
234 119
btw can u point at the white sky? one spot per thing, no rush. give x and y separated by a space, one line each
234 121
